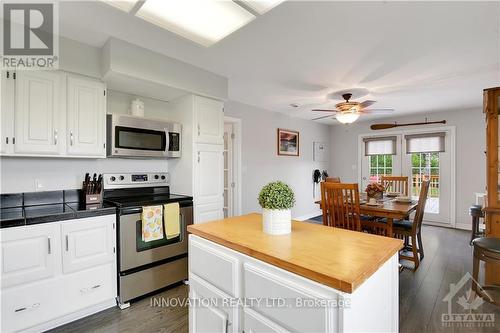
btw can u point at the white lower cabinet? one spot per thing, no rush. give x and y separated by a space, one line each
233 292
46 283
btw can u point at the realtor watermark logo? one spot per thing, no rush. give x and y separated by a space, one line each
30 35
464 306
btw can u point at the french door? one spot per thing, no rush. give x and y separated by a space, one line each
417 166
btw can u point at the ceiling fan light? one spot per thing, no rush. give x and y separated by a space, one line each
347 117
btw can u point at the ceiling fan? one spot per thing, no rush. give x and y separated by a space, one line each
348 112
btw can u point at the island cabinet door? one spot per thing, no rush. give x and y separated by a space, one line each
255 323
211 310
29 254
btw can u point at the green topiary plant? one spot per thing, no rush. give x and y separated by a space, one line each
276 195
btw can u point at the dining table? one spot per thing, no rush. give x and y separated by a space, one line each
388 207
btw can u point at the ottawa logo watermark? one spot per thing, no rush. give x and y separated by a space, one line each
30 36
465 306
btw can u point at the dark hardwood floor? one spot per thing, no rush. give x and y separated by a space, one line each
447 258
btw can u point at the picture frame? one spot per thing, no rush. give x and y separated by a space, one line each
288 142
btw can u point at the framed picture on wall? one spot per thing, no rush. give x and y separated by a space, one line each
288 142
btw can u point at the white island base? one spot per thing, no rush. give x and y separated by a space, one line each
233 292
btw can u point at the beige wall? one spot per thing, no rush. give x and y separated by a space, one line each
470 157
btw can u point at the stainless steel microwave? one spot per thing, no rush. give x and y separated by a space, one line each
130 136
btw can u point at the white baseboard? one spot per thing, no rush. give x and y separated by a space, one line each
308 216
72 316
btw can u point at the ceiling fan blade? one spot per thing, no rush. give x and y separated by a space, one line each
367 103
324 110
318 118
377 111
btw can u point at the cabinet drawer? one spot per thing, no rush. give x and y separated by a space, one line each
27 306
214 265
270 284
88 242
89 287
255 323
213 316
29 254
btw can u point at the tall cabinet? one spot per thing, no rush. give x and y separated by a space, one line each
491 106
202 155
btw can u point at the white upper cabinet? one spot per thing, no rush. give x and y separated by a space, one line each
208 120
7 112
39 117
86 115
29 253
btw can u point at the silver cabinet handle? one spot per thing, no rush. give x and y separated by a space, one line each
55 137
198 157
198 129
67 243
70 138
49 248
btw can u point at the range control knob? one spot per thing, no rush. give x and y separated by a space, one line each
163 177
113 178
156 176
122 178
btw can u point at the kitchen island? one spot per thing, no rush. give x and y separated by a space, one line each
316 279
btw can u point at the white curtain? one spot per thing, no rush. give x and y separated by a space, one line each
425 143
380 145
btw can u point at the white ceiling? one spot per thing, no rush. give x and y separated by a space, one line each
412 56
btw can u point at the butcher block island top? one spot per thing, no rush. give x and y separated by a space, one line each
338 258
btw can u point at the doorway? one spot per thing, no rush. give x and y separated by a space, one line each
232 167
417 154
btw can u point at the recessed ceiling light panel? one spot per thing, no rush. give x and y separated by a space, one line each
262 6
125 5
202 21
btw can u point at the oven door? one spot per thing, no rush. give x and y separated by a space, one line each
134 252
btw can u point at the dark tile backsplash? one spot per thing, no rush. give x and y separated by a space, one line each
43 198
11 200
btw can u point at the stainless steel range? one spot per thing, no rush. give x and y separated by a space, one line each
144 267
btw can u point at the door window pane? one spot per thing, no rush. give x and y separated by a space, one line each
426 166
380 165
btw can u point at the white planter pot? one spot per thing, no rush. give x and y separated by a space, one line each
277 221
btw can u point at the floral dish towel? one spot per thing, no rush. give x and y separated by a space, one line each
152 223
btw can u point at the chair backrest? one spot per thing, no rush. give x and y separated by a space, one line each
332 180
395 184
340 204
422 200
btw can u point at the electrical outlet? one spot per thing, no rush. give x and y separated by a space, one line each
38 185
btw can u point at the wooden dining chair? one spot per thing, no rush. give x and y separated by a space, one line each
340 204
406 229
332 180
395 184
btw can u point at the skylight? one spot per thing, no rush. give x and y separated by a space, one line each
202 21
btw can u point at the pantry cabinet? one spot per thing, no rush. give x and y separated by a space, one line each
86 113
52 113
209 182
208 120
56 272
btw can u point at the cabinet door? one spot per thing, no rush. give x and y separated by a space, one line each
213 317
7 107
39 120
208 120
88 242
209 182
86 114
29 253
255 323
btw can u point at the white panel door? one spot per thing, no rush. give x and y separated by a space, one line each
208 182
39 120
7 108
88 242
86 114
208 120
29 253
